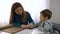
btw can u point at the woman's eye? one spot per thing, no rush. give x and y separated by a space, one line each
18 10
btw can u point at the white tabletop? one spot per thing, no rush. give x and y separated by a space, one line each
31 31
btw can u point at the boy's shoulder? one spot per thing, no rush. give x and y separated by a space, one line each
49 22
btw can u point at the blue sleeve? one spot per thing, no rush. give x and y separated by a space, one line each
14 23
13 20
29 18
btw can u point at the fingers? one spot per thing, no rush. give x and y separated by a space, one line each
30 25
23 26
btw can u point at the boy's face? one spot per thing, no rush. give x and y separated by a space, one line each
42 18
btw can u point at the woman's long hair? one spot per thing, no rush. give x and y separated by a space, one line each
14 7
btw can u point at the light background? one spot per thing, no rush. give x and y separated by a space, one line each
32 6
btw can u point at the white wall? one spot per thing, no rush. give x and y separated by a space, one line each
32 6
55 7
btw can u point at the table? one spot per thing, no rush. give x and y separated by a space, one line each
15 30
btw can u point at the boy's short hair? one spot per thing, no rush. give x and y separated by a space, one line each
46 12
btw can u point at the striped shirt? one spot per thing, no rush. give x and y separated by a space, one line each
45 27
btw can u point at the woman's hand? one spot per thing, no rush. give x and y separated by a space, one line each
30 25
23 26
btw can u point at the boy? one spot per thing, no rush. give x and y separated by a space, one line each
44 25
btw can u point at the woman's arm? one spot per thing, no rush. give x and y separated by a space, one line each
29 18
30 21
14 23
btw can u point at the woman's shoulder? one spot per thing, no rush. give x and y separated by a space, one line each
27 12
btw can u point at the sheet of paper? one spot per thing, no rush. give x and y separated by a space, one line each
26 31
30 31
36 31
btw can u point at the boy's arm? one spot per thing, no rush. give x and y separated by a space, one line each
51 30
37 24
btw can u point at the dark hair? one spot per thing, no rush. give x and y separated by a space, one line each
46 12
14 7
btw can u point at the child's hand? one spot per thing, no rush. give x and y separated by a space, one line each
23 26
30 25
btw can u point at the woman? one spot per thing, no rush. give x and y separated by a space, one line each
19 17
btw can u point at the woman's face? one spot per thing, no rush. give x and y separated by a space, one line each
19 11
